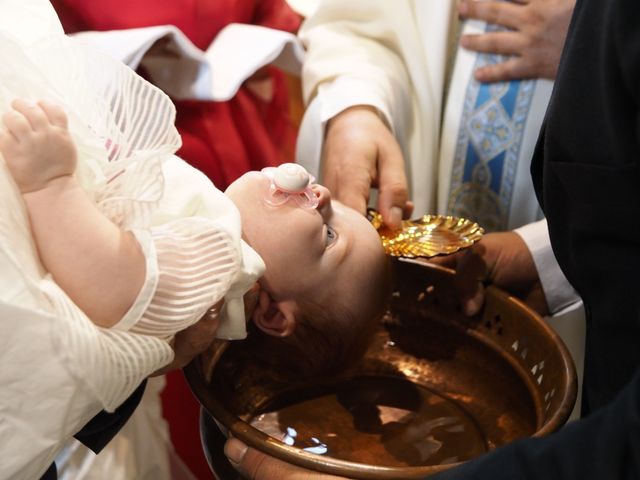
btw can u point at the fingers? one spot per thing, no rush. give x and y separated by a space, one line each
350 153
55 113
193 340
505 14
27 117
392 185
471 271
251 299
473 304
17 125
32 112
7 142
254 465
512 69
408 209
537 32
502 43
360 152
199 336
235 452
467 291
251 463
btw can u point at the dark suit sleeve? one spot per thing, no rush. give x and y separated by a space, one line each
104 426
603 446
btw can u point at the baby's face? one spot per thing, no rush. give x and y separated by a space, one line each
313 254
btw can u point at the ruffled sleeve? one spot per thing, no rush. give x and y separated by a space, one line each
190 265
195 258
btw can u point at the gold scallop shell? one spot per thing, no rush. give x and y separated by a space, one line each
427 236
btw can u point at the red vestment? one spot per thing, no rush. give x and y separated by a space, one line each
222 139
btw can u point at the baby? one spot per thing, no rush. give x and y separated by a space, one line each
109 245
325 276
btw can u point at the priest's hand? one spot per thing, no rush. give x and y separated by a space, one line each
534 41
360 152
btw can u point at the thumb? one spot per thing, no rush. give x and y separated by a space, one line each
252 464
472 305
251 299
255 465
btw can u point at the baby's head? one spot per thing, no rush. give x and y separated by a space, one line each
327 275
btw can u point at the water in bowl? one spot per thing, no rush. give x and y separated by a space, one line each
375 420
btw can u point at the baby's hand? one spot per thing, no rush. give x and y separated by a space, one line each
36 145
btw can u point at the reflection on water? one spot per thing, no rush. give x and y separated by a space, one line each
375 420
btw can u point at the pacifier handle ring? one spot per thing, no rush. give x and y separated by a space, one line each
290 180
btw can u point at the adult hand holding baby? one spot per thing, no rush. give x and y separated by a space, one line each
192 341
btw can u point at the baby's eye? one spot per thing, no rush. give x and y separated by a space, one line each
332 235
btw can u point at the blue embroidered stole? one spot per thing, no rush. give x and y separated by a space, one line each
488 148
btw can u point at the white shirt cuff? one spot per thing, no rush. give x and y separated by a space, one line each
558 291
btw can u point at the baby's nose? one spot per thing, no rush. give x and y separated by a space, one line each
323 194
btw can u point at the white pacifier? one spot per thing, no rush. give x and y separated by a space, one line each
290 181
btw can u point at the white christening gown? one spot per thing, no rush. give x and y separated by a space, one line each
58 368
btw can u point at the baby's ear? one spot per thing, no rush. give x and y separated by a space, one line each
275 318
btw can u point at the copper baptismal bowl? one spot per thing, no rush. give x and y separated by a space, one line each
435 388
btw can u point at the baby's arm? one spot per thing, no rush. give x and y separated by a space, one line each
99 266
